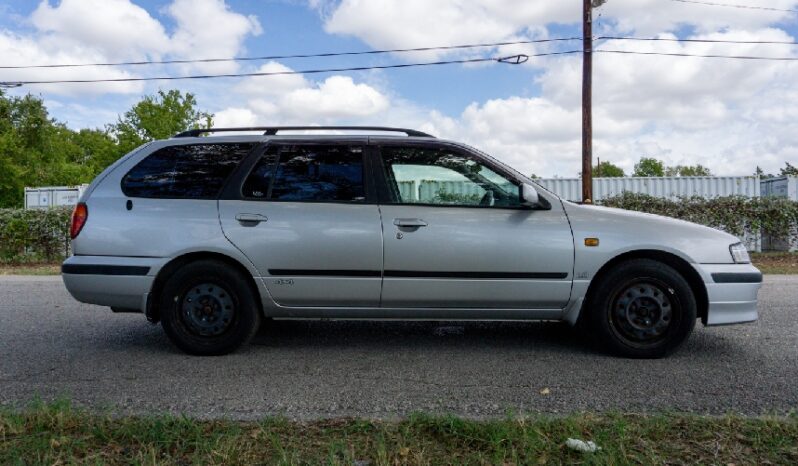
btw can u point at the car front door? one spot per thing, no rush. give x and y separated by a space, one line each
457 236
301 214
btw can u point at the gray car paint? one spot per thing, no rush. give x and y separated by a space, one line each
156 231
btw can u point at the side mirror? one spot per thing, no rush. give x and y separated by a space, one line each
529 196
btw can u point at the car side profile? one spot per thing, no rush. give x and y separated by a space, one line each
211 235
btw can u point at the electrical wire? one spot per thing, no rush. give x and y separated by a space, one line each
734 5
286 57
678 54
513 59
707 41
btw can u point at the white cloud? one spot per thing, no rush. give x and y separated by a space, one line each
17 49
92 31
392 23
118 29
336 97
207 28
648 17
292 99
419 23
276 85
235 117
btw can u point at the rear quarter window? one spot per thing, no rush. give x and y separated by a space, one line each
193 171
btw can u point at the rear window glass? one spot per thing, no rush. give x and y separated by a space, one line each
308 173
195 171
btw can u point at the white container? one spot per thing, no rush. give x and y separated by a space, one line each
53 196
783 186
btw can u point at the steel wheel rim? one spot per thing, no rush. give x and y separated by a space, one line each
642 313
207 309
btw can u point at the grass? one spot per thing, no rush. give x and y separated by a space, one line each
30 269
58 433
781 263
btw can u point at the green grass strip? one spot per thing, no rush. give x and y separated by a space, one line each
58 433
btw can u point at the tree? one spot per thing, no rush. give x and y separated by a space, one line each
688 170
789 170
36 150
608 170
648 166
159 117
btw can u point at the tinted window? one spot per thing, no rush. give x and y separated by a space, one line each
195 171
308 173
419 175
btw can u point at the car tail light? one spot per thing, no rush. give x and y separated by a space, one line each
79 217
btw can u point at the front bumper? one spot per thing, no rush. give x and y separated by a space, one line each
121 282
732 292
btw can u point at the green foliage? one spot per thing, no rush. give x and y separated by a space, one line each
159 117
445 197
608 170
29 236
36 150
789 170
648 166
688 170
737 215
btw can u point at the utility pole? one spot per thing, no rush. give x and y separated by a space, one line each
587 102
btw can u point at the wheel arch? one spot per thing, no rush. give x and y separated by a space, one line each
684 268
152 311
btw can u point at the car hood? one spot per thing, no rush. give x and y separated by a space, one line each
628 230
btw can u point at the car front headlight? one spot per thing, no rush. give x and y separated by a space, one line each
739 253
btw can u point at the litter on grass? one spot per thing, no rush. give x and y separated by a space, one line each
581 445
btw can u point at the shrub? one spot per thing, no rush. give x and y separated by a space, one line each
738 215
28 236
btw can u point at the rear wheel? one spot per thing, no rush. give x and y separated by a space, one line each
208 308
641 309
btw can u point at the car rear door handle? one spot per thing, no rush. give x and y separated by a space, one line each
250 220
409 222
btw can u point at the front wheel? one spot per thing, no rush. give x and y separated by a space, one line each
641 309
208 308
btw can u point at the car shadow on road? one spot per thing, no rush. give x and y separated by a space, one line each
540 336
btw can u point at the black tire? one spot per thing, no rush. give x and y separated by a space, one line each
208 308
641 308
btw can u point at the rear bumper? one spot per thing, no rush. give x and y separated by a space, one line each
122 282
732 292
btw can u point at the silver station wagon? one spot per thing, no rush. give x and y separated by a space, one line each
213 235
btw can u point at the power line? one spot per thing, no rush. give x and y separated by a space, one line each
708 41
732 5
286 57
377 52
513 59
678 54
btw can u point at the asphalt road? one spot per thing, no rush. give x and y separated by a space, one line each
52 346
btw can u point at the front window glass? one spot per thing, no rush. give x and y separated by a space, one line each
308 173
440 176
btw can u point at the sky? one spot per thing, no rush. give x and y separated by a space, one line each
728 115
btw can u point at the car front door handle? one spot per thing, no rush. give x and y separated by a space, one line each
250 220
409 222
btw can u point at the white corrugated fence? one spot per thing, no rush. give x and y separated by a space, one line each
666 187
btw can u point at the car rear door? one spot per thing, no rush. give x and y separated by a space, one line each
303 213
457 236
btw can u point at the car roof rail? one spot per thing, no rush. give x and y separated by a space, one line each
273 130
